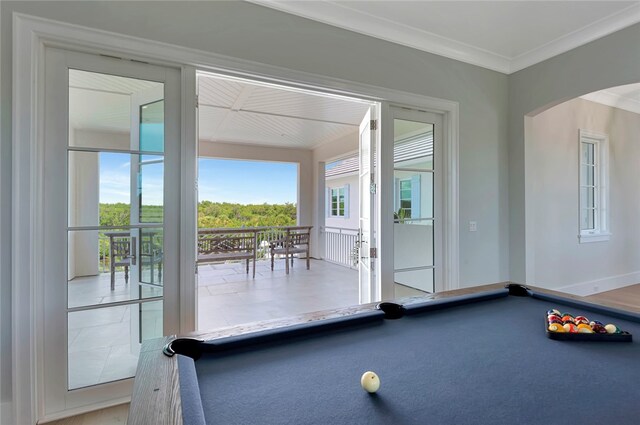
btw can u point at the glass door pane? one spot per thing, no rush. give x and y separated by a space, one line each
115 242
414 219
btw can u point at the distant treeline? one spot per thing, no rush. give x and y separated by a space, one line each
210 214
224 214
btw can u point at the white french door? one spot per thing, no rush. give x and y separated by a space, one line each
112 195
417 200
367 209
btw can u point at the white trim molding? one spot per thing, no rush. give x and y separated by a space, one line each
605 97
343 16
6 409
26 223
599 285
188 201
31 35
600 186
598 29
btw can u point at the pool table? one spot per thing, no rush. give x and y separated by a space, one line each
481 358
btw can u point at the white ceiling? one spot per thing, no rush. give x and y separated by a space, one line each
232 110
505 36
102 102
623 97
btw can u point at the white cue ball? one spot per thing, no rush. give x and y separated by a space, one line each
370 382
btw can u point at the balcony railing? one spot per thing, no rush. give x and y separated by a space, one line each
340 245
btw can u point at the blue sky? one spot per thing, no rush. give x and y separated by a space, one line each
220 180
247 182
115 178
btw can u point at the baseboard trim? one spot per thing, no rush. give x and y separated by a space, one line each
6 413
601 285
84 409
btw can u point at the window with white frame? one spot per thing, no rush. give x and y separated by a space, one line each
338 202
594 187
405 197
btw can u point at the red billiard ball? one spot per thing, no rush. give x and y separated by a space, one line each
582 319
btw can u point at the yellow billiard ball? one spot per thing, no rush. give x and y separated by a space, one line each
370 382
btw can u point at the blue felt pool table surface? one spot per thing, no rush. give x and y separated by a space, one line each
482 359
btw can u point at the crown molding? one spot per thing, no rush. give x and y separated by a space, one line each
614 100
374 26
348 18
598 29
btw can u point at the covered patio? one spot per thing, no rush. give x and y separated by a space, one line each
228 296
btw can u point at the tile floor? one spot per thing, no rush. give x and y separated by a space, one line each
100 343
227 296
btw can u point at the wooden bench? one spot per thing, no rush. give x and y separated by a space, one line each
227 244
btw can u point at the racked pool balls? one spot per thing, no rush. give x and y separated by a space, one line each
612 329
556 327
581 319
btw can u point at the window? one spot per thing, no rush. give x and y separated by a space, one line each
405 198
594 225
338 201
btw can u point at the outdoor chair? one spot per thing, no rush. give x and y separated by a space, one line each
119 256
151 255
295 241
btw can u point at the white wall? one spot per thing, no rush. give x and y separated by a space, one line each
321 156
84 206
98 139
560 261
610 61
84 197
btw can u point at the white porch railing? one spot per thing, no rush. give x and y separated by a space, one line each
339 245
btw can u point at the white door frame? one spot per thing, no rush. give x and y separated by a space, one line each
412 114
367 141
54 315
30 36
